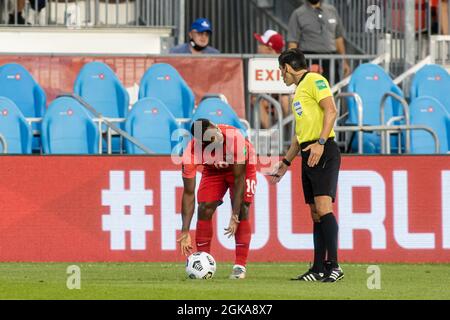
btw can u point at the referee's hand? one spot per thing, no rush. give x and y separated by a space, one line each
278 172
316 153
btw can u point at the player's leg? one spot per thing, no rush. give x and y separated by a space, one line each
204 233
243 237
211 190
244 231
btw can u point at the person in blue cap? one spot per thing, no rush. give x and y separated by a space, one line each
199 36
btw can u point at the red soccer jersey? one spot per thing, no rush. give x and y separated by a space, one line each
235 150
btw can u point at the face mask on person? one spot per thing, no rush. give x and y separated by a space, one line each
196 46
313 2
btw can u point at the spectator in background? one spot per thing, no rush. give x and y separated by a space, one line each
316 28
199 36
444 17
16 8
37 5
440 16
271 43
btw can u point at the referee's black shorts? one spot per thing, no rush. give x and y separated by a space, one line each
322 179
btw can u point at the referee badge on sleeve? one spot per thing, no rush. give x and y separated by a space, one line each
321 85
298 108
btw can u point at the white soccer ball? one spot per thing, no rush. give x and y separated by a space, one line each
200 265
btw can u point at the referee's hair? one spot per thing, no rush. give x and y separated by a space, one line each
204 124
293 57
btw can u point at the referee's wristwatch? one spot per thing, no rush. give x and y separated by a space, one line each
322 141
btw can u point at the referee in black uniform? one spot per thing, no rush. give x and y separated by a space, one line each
315 114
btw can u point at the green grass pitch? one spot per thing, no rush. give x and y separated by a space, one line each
264 282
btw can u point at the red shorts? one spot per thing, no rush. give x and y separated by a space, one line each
215 183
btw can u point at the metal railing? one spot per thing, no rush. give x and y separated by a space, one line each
335 72
440 49
360 110
257 123
111 126
385 137
90 13
390 128
405 25
4 144
383 128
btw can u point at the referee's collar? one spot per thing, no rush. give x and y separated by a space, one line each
302 78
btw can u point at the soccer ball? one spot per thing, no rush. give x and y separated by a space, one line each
200 265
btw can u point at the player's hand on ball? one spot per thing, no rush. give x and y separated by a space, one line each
278 172
232 227
185 243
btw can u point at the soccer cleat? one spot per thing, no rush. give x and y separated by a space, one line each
310 276
327 265
238 272
335 275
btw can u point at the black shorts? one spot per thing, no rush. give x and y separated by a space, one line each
322 179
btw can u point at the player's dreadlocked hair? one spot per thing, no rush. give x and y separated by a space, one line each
204 124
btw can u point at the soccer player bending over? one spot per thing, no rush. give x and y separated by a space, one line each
228 161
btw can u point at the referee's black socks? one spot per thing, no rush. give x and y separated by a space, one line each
330 232
320 249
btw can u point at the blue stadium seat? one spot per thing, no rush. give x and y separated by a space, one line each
371 82
429 112
14 128
99 86
433 81
17 84
162 81
68 128
152 124
219 112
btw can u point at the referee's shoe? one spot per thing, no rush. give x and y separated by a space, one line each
310 276
334 275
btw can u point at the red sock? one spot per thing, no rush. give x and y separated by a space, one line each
203 235
243 237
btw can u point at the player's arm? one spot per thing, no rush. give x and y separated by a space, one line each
187 212
239 171
188 203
